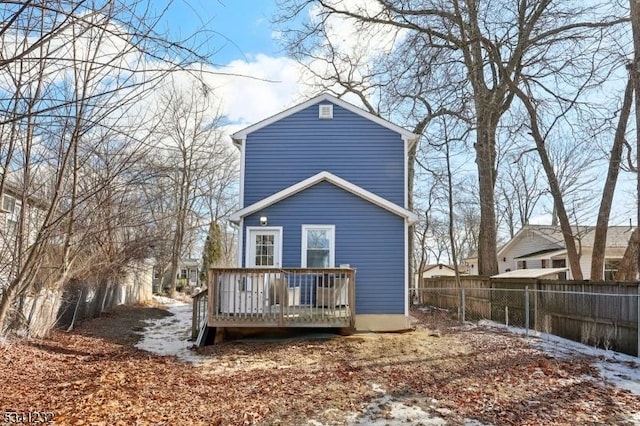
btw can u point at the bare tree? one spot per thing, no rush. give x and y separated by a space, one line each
519 192
615 160
74 74
196 166
455 58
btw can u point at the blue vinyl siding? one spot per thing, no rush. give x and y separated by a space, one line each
367 237
301 145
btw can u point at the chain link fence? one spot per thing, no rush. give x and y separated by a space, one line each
603 314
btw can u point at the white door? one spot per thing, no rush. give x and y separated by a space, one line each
263 251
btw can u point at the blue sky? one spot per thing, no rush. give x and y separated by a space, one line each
242 28
240 39
244 44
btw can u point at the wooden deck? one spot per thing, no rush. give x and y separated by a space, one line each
283 297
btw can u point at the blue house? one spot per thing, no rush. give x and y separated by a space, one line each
323 222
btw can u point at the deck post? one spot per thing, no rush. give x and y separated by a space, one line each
283 297
194 317
352 297
211 305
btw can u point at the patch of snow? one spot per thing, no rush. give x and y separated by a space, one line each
170 335
388 410
619 369
165 300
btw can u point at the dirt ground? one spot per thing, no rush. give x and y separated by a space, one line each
95 375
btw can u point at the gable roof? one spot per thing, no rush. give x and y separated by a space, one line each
617 236
335 180
437 265
241 135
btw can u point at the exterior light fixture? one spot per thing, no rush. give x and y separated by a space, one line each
263 220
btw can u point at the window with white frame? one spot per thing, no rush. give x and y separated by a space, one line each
611 267
318 246
8 203
11 206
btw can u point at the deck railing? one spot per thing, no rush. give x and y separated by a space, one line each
199 312
288 297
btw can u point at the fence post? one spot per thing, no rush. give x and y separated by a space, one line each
526 311
536 287
462 306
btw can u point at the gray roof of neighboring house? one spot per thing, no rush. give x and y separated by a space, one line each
190 262
436 265
617 236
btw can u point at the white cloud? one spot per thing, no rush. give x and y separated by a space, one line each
270 85
541 219
350 37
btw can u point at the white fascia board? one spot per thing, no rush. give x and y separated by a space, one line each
241 135
512 241
407 275
240 243
409 216
241 179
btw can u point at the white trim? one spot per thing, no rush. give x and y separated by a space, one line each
279 240
240 247
241 180
409 216
332 243
242 134
406 172
406 269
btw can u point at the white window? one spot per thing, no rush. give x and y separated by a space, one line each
265 245
8 204
318 246
12 227
611 267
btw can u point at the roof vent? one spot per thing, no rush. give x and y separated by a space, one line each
326 112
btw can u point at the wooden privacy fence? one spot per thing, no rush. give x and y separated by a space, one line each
603 314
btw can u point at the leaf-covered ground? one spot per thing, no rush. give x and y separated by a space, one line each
96 376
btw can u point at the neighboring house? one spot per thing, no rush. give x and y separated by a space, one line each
436 270
11 209
470 264
542 246
323 185
188 275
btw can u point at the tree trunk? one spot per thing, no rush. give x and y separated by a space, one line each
7 299
629 265
485 159
600 238
635 68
